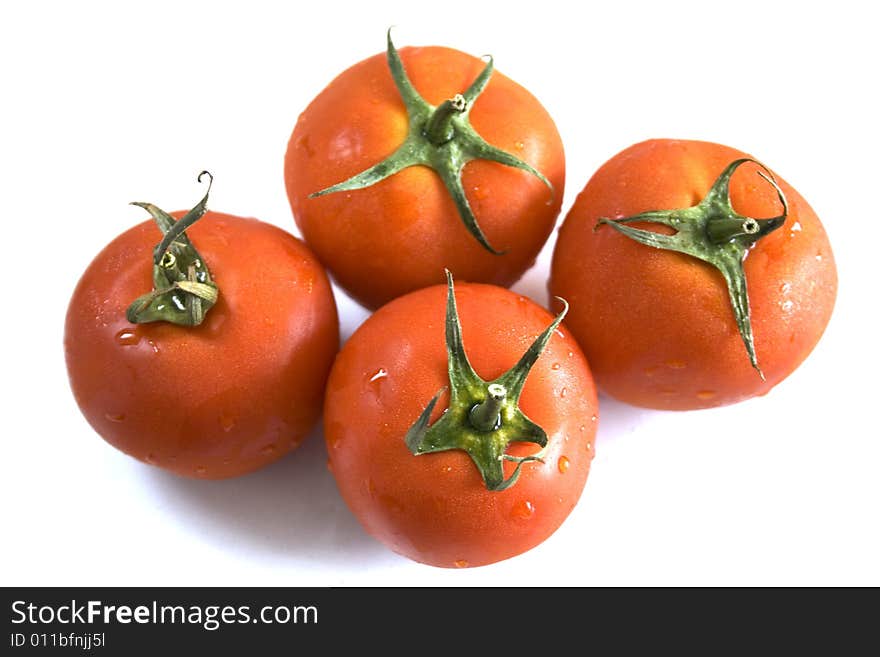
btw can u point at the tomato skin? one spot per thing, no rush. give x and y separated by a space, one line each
217 400
435 508
657 326
399 234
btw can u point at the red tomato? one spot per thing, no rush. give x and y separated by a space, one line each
399 234
219 399
435 507
658 326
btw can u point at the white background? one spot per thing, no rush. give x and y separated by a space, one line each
105 103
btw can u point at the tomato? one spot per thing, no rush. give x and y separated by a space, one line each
661 328
397 451
222 398
397 229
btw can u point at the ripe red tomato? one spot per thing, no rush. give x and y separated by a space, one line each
400 233
658 326
219 399
437 507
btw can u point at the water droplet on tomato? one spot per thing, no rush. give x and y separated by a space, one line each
153 346
128 337
150 458
461 563
227 422
706 394
563 464
115 417
593 418
555 366
819 257
447 468
479 193
787 305
563 393
375 381
589 446
795 228
523 510
519 145
785 288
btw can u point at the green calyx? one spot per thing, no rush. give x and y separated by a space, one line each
483 417
441 138
183 291
713 232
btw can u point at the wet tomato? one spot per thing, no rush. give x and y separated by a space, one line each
202 384
696 277
412 162
460 424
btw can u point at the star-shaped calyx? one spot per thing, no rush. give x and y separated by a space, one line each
441 138
715 233
483 417
183 290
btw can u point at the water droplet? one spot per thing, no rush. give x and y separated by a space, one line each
479 193
796 228
128 337
675 364
563 393
570 354
447 468
706 394
269 450
461 563
334 440
115 417
562 464
519 145
785 288
153 346
819 257
589 446
381 373
201 470
787 305
523 510
593 418
150 458
227 422
555 366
